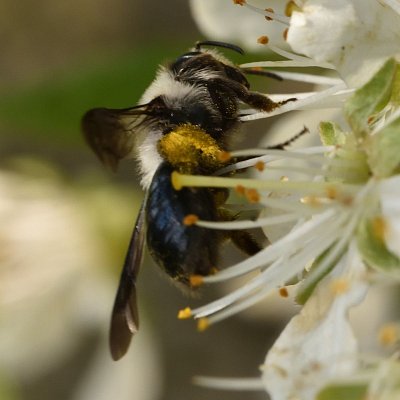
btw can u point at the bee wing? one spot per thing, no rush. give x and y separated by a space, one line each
125 316
109 132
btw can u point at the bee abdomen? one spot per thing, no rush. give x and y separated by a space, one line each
179 249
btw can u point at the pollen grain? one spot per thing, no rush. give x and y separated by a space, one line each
202 324
224 156
340 286
241 190
252 196
196 281
331 192
185 313
263 39
270 10
285 33
259 166
283 292
190 219
389 334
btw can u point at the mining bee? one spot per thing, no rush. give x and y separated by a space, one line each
183 122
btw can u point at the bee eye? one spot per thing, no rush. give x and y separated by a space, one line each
156 106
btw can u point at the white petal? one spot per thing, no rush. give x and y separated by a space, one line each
385 383
222 20
390 195
318 344
357 36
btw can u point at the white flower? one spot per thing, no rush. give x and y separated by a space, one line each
390 195
340 201
219 20
385 383
356 36
318 345
55 288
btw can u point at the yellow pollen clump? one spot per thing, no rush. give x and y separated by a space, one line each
239 2
389 334
340 286
271 11
224 156
252 195
263 39
283 292
259 166
185 313
240 190
196 280
190 219
331 192
202 324
379 227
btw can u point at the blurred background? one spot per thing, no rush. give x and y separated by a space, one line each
65 221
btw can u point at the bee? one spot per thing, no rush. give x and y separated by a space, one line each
183 122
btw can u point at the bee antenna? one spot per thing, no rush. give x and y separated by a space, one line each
260 72
219 44
281 146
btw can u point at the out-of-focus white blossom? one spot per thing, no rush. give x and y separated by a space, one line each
55 287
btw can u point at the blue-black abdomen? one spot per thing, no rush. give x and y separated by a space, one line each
179 249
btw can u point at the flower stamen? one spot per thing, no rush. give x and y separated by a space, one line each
267 13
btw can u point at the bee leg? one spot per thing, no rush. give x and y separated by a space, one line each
262 102
256 100
245 242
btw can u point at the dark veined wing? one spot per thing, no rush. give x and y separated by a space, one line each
125 316
109 132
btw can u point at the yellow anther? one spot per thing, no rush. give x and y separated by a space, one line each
202 324
185 313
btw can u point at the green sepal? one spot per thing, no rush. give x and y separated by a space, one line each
370 98
373 249
312 279
345 392
395 99
383 150
331 134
